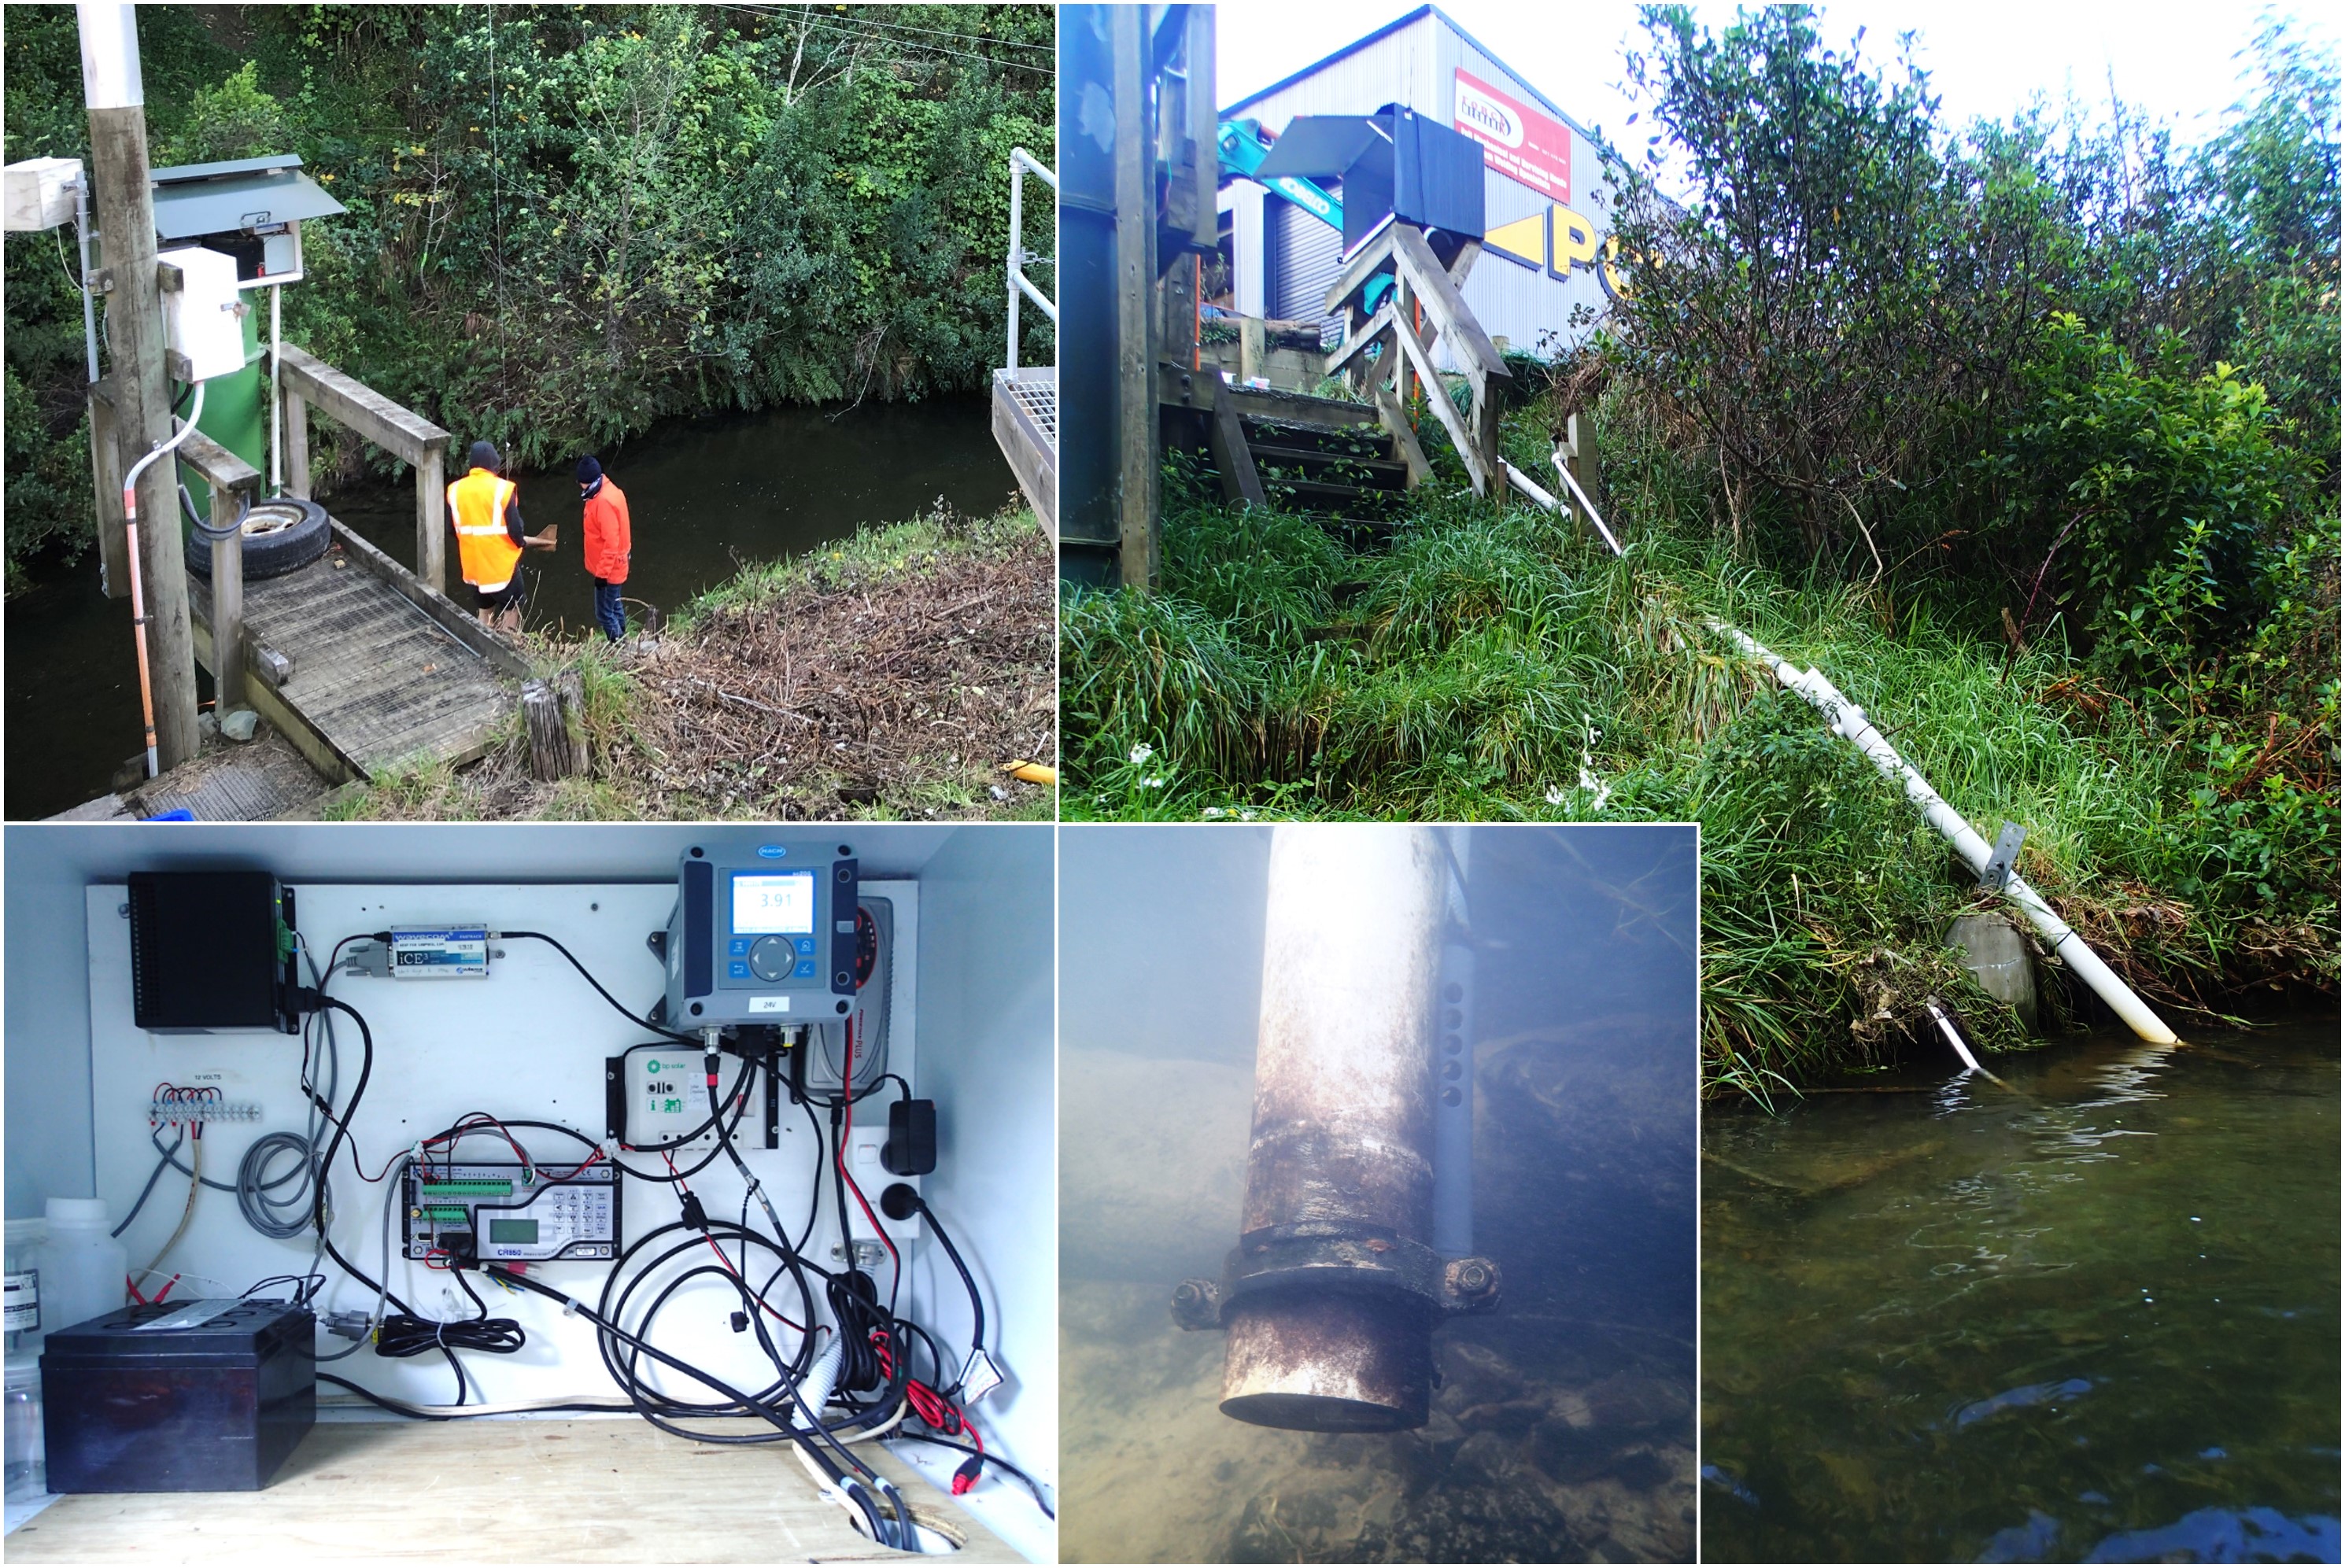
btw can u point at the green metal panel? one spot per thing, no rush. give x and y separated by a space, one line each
236 407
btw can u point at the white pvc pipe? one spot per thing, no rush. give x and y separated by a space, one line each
1593 515
1848 721
138 588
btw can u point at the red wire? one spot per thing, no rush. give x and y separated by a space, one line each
724 1258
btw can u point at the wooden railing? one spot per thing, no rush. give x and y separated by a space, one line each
1404 350
234 483
310 382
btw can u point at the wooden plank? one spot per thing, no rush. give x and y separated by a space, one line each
1139 534
227 599
432 520
445 612
1443 302
1231 457
288 721
520 1492
1405 441
1032 458
1437 397
297 444
1358 342
106 470
1360 267
1300 408
401 432
216 465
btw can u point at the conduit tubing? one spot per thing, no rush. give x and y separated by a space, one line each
1848 721
138 589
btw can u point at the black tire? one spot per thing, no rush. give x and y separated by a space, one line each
281 535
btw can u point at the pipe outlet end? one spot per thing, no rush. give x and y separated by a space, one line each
1197 1304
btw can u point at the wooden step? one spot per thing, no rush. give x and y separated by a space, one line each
1380 473
1372 441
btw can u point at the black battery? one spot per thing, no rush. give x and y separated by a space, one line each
183 1396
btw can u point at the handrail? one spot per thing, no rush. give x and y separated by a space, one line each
1021 164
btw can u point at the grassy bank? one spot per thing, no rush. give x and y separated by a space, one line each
1501 665
887 676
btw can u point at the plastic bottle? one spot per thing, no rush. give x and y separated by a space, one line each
84 1271
24 1269
27 1468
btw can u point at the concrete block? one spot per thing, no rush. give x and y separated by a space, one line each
1996 954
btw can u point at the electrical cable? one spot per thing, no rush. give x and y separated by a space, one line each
995 1459
632 1017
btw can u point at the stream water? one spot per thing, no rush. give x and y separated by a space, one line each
2092 1315
1562 1427
705 496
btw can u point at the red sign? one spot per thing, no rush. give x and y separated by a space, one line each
1518 141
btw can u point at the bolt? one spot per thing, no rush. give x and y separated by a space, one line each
1473 1277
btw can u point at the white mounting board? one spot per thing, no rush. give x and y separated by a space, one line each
528 1042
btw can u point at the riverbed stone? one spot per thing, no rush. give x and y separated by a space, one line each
240 725
1996 955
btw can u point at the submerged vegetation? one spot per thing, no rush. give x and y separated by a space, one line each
890 675
567 222
2027 437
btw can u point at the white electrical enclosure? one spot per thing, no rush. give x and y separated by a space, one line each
530 1042
203 318
40 192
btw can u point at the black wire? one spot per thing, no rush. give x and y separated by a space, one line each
161 1165
881 1530
976 1305
991 1458
630 1017
317 1213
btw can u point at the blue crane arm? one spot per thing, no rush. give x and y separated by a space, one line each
1242 149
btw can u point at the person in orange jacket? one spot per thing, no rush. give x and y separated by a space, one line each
608 544
484 508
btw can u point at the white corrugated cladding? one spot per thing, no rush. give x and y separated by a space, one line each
1303 257
1416 62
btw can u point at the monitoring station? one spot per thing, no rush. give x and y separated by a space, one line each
721 1162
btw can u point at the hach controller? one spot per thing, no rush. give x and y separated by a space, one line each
767 937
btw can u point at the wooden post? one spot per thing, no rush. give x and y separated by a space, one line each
297 445
228 607
111 89
432 520
553 752
105 467
1253 343
1139 545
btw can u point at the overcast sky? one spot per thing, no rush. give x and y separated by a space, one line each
1987 57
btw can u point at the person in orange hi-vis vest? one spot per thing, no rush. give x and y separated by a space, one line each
484 508
608 544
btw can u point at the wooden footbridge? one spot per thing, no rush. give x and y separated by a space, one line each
359 661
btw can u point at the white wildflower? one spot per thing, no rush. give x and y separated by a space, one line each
1152 783
1142 752
1555 795
1213 813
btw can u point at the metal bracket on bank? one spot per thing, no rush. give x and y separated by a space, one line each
1996 874
1338 1258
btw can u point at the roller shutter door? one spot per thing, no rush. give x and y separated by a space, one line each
1310 254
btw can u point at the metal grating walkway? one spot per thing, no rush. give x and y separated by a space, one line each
1026 428
374 679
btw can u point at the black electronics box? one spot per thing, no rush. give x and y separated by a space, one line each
211 950
183 1396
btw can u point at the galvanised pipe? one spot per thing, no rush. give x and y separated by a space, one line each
1334 1289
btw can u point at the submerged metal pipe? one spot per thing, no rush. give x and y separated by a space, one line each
1332 1295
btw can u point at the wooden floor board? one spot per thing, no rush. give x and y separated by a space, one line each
499 1492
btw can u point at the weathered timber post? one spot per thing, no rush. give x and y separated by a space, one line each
112 89
553 712
297 443
431 519
228 607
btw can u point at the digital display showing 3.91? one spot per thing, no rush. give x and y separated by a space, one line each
781 903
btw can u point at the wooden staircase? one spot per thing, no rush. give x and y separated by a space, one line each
1326 456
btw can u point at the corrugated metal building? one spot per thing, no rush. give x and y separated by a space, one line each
1548 192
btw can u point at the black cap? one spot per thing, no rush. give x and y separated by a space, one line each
589 470
483 455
